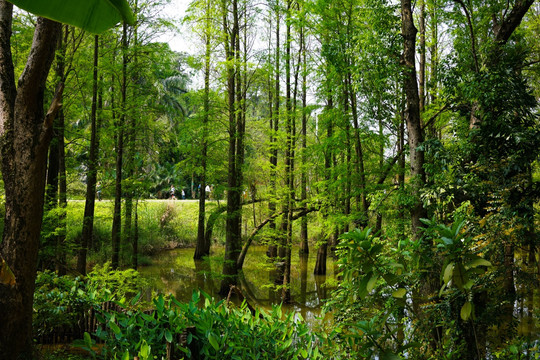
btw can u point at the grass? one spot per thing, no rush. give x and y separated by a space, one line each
162 224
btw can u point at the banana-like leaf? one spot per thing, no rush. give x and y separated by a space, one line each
94 16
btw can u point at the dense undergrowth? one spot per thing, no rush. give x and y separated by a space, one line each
381 309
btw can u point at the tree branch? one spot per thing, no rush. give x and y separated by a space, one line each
471 29
512 21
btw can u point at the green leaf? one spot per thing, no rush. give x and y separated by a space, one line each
214 341
94 16
399 293
145 350
371 283
126 355
390 356
447 275
478 262
363 285
135 299
114 327
168 336
466 311
459 276
87 340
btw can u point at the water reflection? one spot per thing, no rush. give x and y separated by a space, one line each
176 272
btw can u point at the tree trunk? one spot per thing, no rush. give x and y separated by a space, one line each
117 214
412 115
25 136
203 247
274 128
422 50
304 245
233 240
320 264
88 219
359 154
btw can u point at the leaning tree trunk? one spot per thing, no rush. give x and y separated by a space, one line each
25 134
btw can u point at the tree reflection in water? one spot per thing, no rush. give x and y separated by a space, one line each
177 273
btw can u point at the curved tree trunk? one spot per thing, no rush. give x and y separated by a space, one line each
25 136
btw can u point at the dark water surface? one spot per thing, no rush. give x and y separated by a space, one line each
175 272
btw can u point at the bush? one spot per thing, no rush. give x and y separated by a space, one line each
60 301
217 331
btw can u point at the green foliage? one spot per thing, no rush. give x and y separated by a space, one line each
58 301
137 331
216 331
462 268
95 16
61 300
370 300
117 284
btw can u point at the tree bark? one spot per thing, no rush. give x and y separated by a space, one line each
412 115
304 245
320 264
88 219
274 128
117 214
203 247
233 224
25 135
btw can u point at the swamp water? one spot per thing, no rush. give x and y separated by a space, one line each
175 272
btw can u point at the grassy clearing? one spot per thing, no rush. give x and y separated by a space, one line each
163 224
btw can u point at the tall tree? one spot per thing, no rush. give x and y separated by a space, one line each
203 246
88 219
233 240
26 133
117 214
412 114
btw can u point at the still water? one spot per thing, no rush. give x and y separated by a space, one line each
175 272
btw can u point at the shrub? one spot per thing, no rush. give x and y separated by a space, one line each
217 331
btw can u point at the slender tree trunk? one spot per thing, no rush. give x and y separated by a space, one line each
203 247
234 209
25 135
320 264
304 245
135 240
88 219
117 214
359 153
412 115
62 183
272 248
62 196
53 171
422 51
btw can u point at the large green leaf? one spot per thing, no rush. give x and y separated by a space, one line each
94 16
